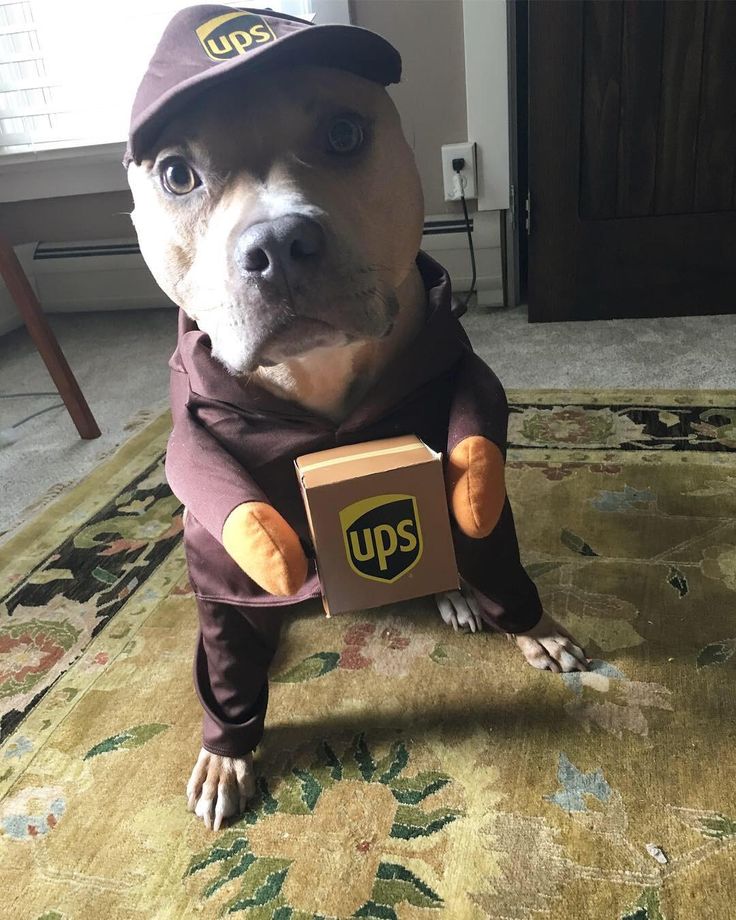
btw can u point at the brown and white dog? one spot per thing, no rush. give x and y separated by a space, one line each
307 147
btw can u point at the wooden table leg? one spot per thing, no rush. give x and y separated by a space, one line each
30 309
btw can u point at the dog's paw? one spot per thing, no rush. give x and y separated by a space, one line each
220 787
459 610
549 647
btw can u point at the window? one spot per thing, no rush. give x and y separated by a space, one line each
69 68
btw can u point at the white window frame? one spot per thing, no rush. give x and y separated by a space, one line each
93 168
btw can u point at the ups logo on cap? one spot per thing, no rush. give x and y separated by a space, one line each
383 537
232 34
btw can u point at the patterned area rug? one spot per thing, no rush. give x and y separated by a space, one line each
407 772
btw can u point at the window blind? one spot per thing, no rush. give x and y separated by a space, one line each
69 68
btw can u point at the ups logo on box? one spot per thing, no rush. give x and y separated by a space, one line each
232 34
383 537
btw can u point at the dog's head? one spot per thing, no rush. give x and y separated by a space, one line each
282 214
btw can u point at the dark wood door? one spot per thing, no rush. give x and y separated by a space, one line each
632 158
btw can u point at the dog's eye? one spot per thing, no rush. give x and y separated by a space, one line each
344 135
178 177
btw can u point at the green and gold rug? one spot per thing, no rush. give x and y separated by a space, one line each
407 772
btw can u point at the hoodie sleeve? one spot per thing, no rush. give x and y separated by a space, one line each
492 566
201 473
479 405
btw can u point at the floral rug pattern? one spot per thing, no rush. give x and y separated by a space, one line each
663 427
407 771
63 603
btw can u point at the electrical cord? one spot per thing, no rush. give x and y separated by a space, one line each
33 415
9 436
457 164
21 395
472 252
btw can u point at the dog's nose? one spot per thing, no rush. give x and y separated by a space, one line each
285 245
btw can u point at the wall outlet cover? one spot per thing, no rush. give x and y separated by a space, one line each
468 173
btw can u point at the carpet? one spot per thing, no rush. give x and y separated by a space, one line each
407 771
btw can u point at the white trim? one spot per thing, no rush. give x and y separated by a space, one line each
67 171
487 94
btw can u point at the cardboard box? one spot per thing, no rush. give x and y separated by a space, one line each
378 516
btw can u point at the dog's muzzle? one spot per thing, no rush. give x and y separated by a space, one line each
294 290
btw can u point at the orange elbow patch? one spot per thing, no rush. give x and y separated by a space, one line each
263 544
476 490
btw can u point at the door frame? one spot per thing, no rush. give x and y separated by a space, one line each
514 226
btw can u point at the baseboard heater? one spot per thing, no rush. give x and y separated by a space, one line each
93 275
446 239
88 275
83 250
444 226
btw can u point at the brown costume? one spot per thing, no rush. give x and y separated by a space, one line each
234 442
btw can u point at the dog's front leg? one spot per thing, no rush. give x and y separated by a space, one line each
220 787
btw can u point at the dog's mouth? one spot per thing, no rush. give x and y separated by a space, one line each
300 336
269 324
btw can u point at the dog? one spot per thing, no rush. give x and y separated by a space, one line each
284 218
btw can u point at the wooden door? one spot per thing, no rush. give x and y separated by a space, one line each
632 158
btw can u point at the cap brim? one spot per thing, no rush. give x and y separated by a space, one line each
350 48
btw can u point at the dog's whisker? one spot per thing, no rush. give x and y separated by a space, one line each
303 163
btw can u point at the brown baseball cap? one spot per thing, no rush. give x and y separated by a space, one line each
208 44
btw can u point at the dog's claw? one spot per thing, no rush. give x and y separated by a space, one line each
459 610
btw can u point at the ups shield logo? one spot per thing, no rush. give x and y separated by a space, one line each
232 34
383 537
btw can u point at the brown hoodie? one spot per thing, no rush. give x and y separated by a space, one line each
234 442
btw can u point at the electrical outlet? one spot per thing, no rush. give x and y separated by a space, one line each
450 152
